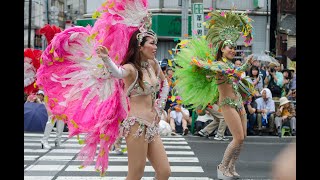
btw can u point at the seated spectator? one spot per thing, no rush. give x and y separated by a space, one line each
265 111
251 109
217 123
292 96
285 112
179 117
164 126
203 117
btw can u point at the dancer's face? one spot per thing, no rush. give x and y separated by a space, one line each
228 52
149 49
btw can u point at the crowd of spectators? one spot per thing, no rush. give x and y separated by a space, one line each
271 109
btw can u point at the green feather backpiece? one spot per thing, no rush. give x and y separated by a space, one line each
194 73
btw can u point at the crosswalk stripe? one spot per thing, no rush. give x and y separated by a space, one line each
146 169
123 178
116 159
64 160
79 145
73 139
105 178
40 167
38 177
36 150
30 157
58 158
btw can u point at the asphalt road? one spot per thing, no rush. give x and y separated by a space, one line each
255 160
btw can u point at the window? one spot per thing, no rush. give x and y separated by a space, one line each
242 49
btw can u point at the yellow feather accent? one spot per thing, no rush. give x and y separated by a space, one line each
88 58
74 123
102 136
102 152
100 65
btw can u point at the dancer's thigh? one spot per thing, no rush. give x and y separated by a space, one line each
233 120
157 156
137 150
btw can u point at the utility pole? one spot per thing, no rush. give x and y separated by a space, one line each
184 18
29 24
268 29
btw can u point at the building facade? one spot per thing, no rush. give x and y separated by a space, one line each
286 29
49 12
167 21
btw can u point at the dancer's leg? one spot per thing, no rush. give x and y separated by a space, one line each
237 152
137 149
234 124
158 159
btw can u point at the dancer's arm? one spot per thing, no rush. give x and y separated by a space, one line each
115 71
164 87
246 65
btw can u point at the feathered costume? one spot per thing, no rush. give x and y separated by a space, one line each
31 65
32 60
197 58
78 86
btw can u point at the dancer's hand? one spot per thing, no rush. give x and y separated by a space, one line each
250 59
157 119
102 52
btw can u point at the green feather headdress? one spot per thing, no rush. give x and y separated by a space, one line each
227 27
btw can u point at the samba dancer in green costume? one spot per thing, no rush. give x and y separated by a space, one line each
207 75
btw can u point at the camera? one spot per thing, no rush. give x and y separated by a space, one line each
272 70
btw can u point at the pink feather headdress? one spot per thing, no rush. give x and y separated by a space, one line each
117 21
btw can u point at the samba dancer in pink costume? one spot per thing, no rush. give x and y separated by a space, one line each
93 75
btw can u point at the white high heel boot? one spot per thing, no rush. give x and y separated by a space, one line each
60 127
46 134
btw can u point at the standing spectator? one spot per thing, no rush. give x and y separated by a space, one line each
49 126
238 63
171 82
218 122
40 97
265 111
251 109
292 84
285 112
179 116
164 65
262 72
287 76
274 80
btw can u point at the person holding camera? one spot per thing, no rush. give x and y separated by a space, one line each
274 80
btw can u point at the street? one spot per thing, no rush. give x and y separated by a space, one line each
190 157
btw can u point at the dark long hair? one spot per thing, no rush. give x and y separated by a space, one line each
219 54
254 68
133 55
